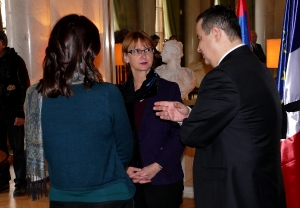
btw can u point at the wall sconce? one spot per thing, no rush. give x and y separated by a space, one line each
121 74
118 54
273 50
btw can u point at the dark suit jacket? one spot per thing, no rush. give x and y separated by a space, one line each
157 58
235 125
160 139
257 49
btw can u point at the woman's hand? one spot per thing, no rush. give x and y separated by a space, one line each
137 175
151 170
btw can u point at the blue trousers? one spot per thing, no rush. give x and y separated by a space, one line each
15 135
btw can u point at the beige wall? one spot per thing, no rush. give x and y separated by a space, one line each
29 24
268 19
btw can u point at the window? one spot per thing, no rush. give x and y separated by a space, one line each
159 23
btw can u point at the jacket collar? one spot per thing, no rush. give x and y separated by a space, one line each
235 52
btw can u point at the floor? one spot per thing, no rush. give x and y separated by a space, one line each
8 201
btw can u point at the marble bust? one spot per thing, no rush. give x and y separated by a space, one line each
172 70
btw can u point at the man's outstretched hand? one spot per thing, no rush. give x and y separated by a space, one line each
174 111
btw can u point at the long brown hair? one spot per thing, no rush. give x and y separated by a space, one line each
73 46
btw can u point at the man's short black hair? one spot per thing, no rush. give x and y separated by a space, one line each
154 37
223 18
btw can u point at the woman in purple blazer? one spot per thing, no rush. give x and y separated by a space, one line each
156 167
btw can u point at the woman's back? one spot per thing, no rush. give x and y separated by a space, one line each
91 138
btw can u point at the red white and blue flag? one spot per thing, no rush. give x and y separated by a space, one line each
242 14
288 83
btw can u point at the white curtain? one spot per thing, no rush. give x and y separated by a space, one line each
29 23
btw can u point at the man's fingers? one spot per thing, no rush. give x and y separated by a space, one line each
160 107
161 103
161 113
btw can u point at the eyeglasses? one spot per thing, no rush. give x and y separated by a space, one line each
140 51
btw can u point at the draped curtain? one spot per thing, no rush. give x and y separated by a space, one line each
251 9
171 11
125 15
134 15
29 24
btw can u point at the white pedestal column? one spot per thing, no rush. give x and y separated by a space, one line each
191 11
268 19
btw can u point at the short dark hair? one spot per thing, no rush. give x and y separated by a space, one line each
154 37
73 46
120 35
173 36
3 38
223 18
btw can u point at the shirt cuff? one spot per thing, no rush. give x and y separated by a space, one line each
180 123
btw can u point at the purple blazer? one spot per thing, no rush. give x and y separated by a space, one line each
160 139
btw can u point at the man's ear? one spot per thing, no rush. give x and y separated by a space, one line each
217 33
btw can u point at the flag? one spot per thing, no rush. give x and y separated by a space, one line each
288 83
242 14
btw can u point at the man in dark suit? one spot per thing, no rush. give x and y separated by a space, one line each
256 48
157 54
234 123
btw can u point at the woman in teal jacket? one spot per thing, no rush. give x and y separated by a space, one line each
79 123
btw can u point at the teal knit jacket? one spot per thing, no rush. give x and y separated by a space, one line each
88 144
